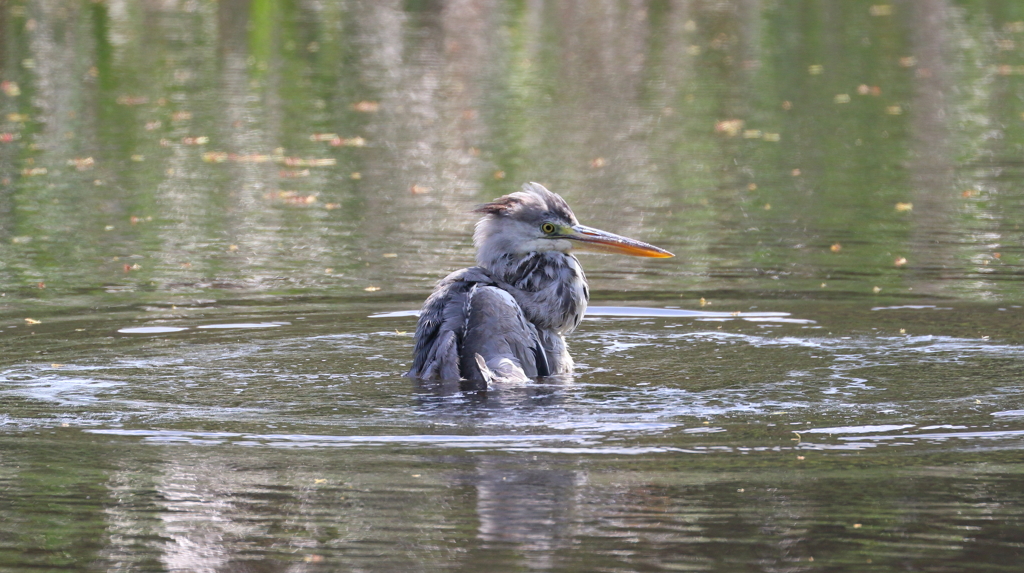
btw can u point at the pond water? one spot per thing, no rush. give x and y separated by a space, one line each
217 220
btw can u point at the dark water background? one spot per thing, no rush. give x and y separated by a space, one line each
215 218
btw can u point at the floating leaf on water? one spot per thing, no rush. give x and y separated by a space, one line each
836 247
232 248
908 61
419 189
332 206
841 98
752 134
300 162
10 89
894 110
199 140
33 171
815 69
82 163
863 89
132 100
787 105
356 176
880 10
138 157
18 117
876 289
390 255
251 158
349 142
904 207
32 321
323 136
366 106
372 289
181 116
772 137
292 197
598 162
900 261
729 127
968 193
293 173
9 137
215 157
499 175
796 172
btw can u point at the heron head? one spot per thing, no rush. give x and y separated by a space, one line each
537 220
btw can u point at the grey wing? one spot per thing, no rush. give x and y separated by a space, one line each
499 343
467 317
438 334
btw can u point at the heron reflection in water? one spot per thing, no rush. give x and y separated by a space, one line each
505 320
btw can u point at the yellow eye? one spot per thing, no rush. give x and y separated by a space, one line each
548 228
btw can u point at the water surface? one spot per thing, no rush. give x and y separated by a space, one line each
217 221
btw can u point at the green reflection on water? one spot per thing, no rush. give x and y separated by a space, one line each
194 148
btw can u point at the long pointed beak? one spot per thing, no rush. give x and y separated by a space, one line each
596 240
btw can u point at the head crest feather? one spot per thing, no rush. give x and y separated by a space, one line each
533 200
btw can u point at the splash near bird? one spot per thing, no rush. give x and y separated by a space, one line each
505 320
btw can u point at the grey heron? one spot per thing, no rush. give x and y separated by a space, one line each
506 318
